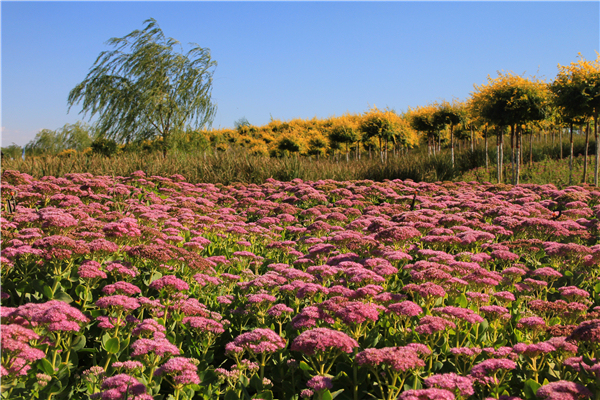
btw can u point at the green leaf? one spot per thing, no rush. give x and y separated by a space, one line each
46 366
155 276
112 345
597 287
336 393
265 395
530 387
305 367
231 395
78 343
462 301
47 290
62 296
80 291
326 395
255 382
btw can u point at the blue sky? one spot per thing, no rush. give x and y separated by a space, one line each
292 59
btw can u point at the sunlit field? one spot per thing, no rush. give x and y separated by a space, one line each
140 287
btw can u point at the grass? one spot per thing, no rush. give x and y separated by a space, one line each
237 165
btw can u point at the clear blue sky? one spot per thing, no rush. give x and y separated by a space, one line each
293 59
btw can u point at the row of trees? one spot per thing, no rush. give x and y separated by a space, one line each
149 93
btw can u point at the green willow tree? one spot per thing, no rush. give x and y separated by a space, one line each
145 89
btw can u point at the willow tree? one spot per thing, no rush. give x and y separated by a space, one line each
509 101
148 87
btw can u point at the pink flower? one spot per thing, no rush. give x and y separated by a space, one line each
183 371
279 309
406 308
396 358
57 316
427 394
533 323
258 341
121 287
322 339
460 385
160 347
319 383
128 365
495 312
356 312
587 331
118 301
148 328
482 370
122 387
459 313
90 270
429 325
169 282
533 350
564 390
204 324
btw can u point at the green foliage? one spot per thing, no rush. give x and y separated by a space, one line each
144 88
288 144
77 136
105 147
240 123
13 151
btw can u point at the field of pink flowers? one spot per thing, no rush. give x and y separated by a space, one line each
147 287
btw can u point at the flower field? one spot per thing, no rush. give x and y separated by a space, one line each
147 287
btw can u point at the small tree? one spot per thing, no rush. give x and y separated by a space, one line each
383 125
449 114
422 120
344 131
511 100
576 91
144 88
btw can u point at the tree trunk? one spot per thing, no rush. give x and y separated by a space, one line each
512 151
429 146
518 155
585 157
486 148
347 154
380 150
386 149
560 142
571 156
520 144
531 150
452 145
472 141
499 156
597 150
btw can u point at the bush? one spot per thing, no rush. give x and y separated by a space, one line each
105 147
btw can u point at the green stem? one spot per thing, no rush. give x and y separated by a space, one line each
355 377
